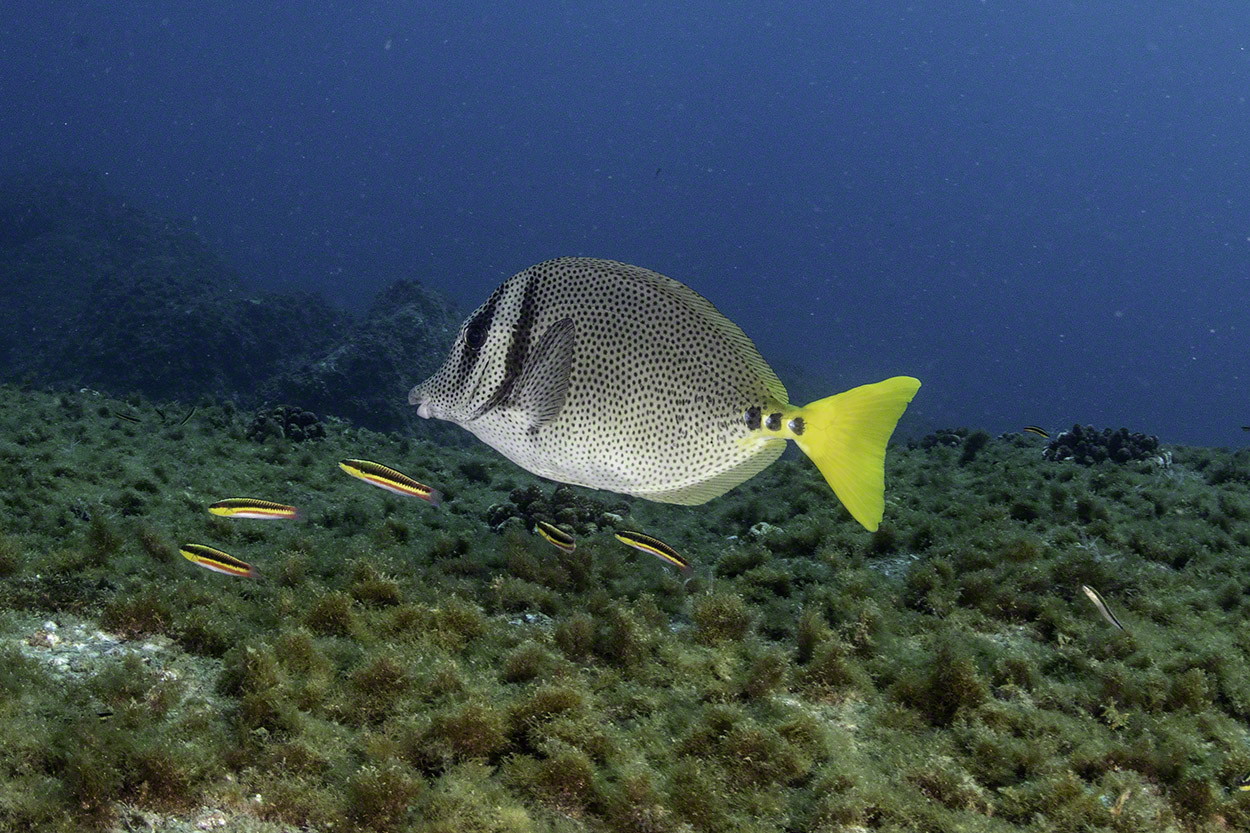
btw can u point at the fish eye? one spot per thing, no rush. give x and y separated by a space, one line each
475 336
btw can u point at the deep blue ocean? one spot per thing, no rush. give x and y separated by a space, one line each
1040 208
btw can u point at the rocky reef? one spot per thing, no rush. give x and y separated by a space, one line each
396 666
103 295
106 296
365 376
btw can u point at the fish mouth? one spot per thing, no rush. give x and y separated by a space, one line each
415 397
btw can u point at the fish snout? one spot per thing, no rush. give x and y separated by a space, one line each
416 397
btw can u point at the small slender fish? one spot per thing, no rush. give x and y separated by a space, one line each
246 507
1243 783
387 478
190 413
555 536
126 417
1033 429
216 560
1119 802
1101 604
656 547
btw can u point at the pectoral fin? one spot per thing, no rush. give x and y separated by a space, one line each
540 392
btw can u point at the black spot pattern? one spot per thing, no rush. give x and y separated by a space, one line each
656 393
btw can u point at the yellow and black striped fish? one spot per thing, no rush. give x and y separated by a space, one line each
246 507
1101 604
654 546
555 536
1033 429
216 560
385 477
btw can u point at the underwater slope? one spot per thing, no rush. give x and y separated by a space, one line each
400 666
103 295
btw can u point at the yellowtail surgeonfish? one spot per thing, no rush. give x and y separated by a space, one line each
555 536
246 507
385 477
214 559
612 376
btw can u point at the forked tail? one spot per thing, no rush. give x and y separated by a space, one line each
845 435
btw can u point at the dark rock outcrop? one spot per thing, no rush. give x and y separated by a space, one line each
365 377
100 294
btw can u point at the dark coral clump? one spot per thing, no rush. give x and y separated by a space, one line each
1087 445
285 422
565 508
948 437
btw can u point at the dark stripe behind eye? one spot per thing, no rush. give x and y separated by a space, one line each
518 347
468 358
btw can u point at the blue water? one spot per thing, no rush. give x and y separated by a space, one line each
1038 208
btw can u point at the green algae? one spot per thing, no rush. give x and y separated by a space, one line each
401 667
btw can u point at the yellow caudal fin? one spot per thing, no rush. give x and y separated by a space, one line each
845 435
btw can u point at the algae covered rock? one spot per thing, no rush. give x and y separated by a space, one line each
365 376
101 294
104 295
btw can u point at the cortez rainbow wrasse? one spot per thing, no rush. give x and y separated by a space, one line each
246 507
385 477
654 546
1033 429
216 560
557 537
1101 604
611 376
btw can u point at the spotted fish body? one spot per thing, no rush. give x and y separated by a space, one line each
611 376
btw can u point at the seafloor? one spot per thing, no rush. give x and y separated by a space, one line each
397 666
